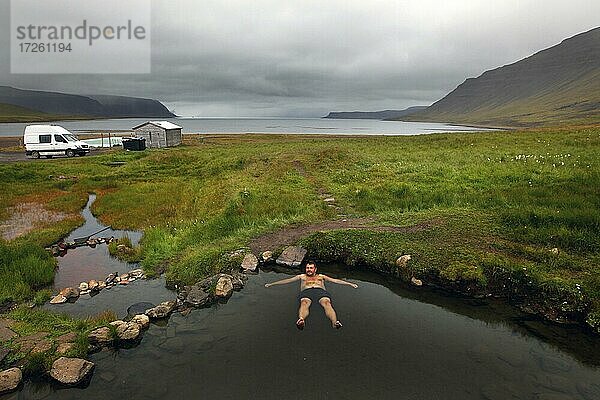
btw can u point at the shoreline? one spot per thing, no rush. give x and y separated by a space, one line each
14 142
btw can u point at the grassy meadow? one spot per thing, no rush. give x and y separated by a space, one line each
481 211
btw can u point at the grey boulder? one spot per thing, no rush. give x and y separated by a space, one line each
196 297
71 371
162 310
224 287
292 256
10 379
100 336
127 331
142 320
250 262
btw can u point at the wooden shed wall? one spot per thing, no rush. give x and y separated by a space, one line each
174 137
158 137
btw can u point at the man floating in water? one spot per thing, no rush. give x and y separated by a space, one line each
312 289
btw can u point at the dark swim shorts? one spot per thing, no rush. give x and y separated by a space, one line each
314 294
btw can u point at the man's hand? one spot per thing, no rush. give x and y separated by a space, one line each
267 284
354 285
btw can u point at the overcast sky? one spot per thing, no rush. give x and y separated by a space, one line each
306 58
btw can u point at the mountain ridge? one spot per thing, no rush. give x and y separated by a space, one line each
555 85
92 106
383 114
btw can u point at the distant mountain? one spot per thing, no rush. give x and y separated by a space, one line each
11 113
385 114
132 106
557 85
54 103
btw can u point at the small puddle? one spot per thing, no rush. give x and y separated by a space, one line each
25 217
82 264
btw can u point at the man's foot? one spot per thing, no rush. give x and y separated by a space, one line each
300 323
337 325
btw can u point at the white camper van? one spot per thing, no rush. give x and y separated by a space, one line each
52 140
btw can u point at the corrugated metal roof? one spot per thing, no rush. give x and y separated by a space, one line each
162 124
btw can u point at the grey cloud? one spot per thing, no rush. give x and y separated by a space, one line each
305 58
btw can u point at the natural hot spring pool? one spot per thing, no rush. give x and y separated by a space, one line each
397 343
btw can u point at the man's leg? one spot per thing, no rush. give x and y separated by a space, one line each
303 312
325 302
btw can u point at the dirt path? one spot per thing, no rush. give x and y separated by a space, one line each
291 234
13 156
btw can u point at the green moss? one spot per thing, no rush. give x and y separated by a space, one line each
458 271
593 320
124 250
357 248
42 296
29 321
24 267
37 364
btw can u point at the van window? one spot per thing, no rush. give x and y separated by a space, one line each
60 139
45 138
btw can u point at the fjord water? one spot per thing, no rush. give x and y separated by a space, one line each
397 343
255 125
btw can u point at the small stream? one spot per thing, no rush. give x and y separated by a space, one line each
85 263
397 342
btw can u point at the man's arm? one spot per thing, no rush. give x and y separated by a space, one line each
339 281
284 281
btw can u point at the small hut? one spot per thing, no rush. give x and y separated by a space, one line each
159 133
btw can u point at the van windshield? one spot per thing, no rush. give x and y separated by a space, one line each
71 138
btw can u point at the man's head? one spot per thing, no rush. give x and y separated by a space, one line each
311 268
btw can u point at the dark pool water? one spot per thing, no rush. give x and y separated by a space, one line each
397 343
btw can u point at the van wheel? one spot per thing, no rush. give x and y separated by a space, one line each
70 153
35 154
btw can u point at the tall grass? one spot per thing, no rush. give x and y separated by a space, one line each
24 268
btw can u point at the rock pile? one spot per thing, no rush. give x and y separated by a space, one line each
60 249
120 333
210 290
93 287
75 371
163 310
250 262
